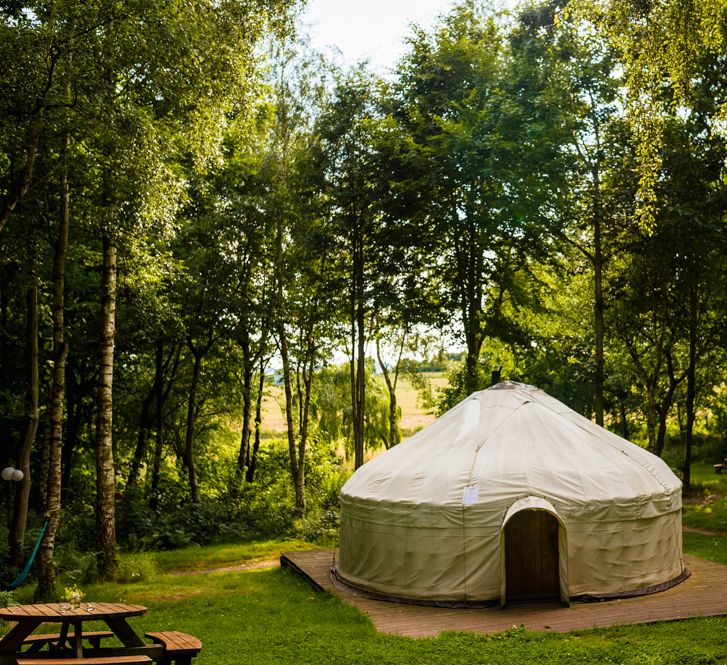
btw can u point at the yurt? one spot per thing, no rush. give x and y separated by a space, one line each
511 495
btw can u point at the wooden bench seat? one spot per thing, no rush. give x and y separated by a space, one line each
93 636
93 660
179 648
718 468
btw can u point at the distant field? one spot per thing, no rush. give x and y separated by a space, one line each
413 414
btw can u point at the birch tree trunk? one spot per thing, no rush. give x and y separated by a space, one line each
105 472
51 488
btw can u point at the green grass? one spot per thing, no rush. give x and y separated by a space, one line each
705 506
712 548
710 514
273 616
706 481
218 556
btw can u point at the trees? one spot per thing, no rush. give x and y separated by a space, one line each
186 224
143 86
343 176
481 127
585 67
672 81
658 44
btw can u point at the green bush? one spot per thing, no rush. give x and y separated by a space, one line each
7 598
710 448
322 528
76 567
133 568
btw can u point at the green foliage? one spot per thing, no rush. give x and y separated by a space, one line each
263 507
134 568
7 598
332 407
76 567
495 356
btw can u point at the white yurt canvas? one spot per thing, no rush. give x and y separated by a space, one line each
511 495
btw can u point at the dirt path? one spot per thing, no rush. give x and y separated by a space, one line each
704 532
256 565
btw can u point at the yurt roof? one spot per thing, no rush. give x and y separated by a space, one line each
511 441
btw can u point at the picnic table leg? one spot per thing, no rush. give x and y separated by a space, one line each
78 640
62 638
124 632
14 639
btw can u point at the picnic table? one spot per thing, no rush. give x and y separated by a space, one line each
21 646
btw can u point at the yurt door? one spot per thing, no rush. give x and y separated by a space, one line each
531 556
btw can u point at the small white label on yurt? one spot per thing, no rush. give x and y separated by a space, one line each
469 498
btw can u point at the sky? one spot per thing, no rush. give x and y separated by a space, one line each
369 29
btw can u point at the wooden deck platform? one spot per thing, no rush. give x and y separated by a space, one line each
702 594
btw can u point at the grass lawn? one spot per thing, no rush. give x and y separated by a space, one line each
706 506
273 616
218 556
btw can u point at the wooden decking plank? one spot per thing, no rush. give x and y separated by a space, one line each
704 593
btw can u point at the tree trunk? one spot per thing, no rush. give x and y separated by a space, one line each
51 491
290 425
691 387
105 472
20 507
360 383
472 315
248 370
4 346
624 419
189 434
252 463
19 189
651 416
159 422
74 416
139 457
358 350
598 312
394 434
300 498
663 411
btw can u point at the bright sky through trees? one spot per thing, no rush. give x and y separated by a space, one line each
373 30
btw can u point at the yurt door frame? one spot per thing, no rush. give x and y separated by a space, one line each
538 504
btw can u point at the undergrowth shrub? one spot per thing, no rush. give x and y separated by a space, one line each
7 598
137 567
76 567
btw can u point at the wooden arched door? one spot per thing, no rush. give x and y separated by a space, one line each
531 556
